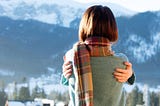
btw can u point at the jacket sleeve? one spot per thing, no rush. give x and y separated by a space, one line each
64 80
132 79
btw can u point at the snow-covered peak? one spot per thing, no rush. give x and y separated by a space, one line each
117 10
120 11
60 12
144 50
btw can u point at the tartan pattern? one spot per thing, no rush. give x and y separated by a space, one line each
93 46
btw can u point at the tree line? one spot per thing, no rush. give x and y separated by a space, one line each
137 97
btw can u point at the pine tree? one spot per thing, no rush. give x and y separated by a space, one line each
2 84
158 98
140 100
15 93
146 95
3 98
24 94
58 96
132 97
154 99
38 93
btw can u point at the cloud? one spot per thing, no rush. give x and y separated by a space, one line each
6 73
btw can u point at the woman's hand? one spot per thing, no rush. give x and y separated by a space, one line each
122 75
67 68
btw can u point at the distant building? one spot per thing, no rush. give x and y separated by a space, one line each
60 103
43 102
15 103
36 102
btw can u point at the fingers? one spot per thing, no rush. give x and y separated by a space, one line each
118 70
128 71
120 78
67 65
128 65
67 69
67 73
122 75
118 74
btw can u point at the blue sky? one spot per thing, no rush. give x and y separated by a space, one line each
136 5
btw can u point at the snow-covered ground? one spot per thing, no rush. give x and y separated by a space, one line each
52 83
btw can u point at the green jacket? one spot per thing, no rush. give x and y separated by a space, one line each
107 91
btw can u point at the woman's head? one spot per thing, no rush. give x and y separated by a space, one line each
98 21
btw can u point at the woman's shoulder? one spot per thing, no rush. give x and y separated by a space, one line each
121 55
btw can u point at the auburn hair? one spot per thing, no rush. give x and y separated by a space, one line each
98 21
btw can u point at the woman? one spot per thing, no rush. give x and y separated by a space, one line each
91 82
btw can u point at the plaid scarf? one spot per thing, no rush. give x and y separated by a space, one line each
92 47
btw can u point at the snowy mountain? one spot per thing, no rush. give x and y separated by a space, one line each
140 39
53 12
142 33
31 48
34 35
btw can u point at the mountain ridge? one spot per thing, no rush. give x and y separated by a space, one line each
53 12
31 48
